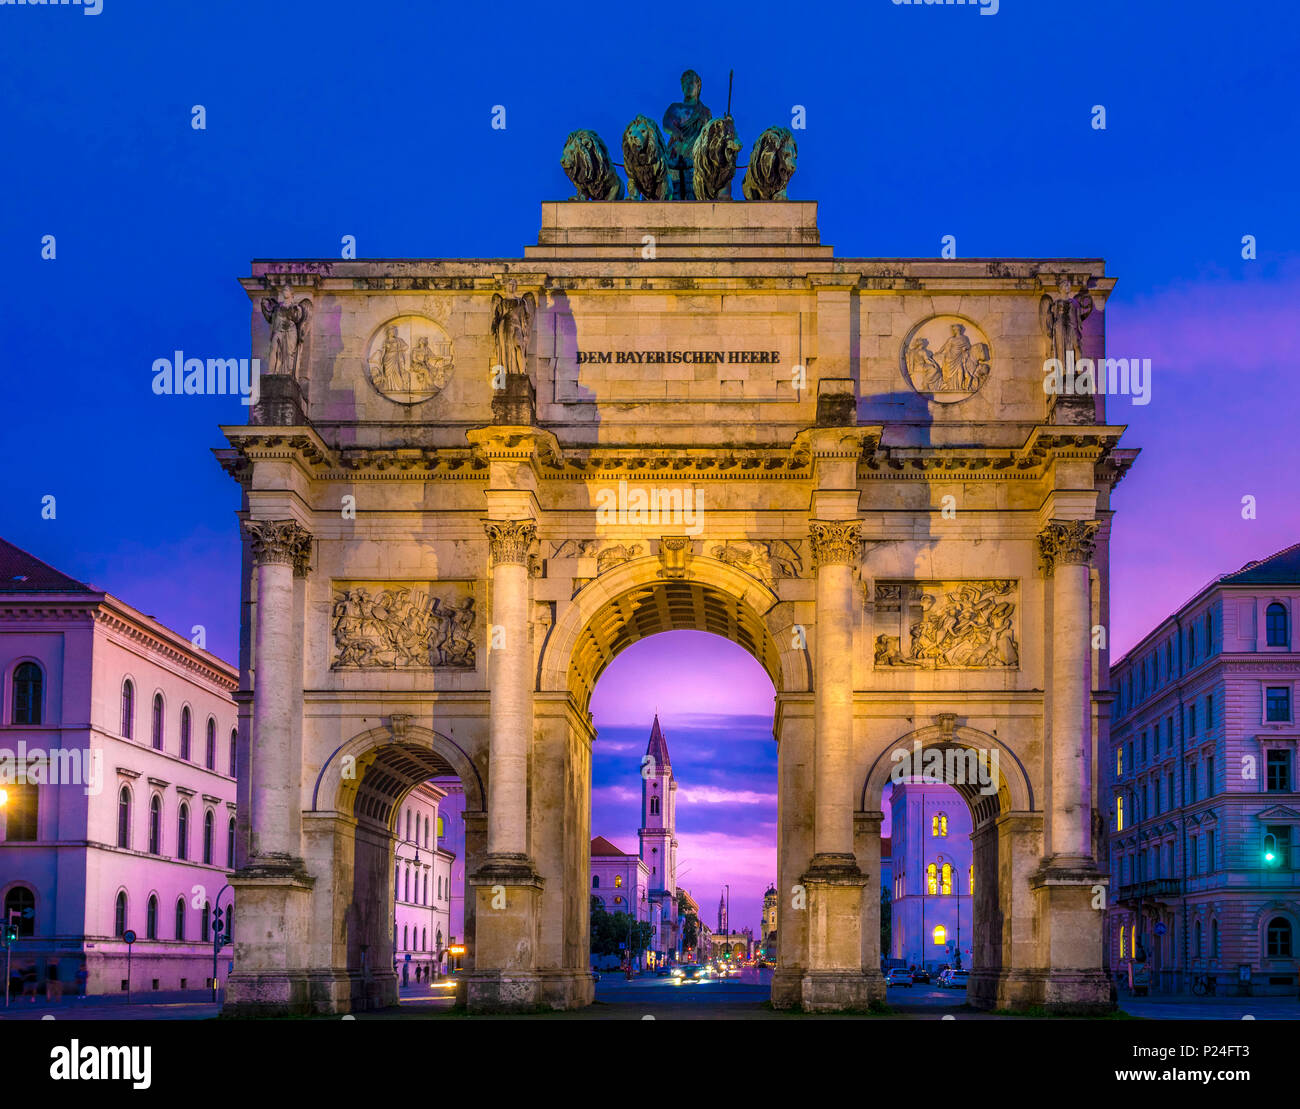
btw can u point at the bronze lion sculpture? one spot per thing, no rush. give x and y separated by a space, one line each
645 157
714 156
587 164
771 165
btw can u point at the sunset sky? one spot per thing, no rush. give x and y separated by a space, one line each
922 122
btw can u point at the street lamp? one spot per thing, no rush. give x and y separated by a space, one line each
396 859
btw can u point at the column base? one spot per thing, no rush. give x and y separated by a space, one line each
1070 896
787 987
1063 992
273 895
507 893
835 991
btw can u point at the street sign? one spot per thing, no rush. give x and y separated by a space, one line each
129 936
1161 929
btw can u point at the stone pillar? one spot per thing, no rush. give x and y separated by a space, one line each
507 887
794 846
834 883
1068 887
1067 548
273 890
278 547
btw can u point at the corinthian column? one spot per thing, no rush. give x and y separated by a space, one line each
279 546
834 548
1066 547
509 684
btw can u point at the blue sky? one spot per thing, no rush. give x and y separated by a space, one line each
329 119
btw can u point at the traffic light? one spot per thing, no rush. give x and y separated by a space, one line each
1271 856
11 933
216 923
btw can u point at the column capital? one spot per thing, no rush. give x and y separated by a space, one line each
509 540
835 542
1067 543
280 541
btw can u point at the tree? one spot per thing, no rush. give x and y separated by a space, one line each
886 921
690 932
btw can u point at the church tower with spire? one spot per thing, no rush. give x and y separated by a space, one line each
659 836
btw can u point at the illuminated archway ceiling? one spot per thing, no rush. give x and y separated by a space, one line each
662 607
389 773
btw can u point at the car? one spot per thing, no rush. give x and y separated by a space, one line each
921 975
957 980
899 976
691 972
942 980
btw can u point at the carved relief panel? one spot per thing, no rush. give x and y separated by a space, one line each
403 625
947 625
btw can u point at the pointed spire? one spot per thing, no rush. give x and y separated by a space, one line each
658 748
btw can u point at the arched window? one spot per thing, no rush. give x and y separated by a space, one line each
940 935
946 885
1279 938
654 806
209 822
424 939
205 922
28 688
406 937
21 901
1122 952
119 915
618 881
155 825
932 879
185 732
234 736
408 884
210 754
151 918
595 881
183 832
408 823
939 824
128 708
180 918
156 730
1275 629
124 817
230 844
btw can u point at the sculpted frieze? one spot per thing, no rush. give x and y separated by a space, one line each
404 625
953 625
946 358
764 559
409 359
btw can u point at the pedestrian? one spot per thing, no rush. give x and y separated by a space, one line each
53 986
83 977
29 982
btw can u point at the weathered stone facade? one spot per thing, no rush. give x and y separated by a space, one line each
720 426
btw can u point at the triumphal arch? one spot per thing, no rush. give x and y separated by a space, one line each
469 484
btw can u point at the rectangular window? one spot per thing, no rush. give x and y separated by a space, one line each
1191 782
1209 775
1209 711
1277 776
1159 809
1169 733
1193 857
1144 747
1119 761
1191 719
20 813
1172 802
1130 752
1277 703
1209 852
1119 813
1169 657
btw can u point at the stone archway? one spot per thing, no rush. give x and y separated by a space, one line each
648 465
1006 842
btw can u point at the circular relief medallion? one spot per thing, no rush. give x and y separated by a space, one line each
946 358
409 359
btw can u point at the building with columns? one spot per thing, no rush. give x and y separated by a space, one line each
1202 799
620 880
468 484
117 776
